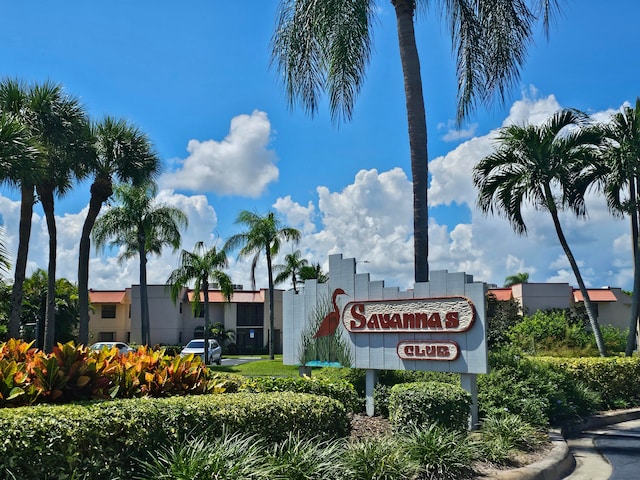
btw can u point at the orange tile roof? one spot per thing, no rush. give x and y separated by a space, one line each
502 294
107 296
215 296
596 295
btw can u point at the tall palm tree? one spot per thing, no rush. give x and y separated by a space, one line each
16 152
200 266
521 277
293 264
20 172
618 173
313 272
325 45
141 227
262 235
540 165
60 124
121 152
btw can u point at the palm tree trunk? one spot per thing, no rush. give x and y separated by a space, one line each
205 288
593 320
635 297
26 211
417 122
271 312
144 297
46 198
95 204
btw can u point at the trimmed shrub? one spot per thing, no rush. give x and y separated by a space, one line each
532 389
421 404
103 440
338 390
615 379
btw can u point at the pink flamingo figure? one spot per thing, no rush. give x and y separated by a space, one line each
331 321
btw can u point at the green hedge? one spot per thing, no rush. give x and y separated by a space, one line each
533 389
100 440
340 390
616 379
424 403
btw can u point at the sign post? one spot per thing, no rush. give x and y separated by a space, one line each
438 325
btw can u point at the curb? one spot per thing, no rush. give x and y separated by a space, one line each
556 465
600 420
560 462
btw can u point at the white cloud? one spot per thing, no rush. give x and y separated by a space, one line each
241 164
456 134
451 174
371 219
296 214
532 110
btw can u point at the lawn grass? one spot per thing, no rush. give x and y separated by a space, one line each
260 368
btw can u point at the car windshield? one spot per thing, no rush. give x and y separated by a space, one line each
195 344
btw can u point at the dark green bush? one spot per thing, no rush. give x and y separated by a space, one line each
421 404
101 440
338 390
501 316
386 380
354 376
548 330
441 453
532 389
229 457
615 379
378 458
615 339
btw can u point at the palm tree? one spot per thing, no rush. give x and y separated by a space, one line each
313 272
262 235
122 152
16 151
141 227
21 172
200 266
290 269
61 126
618 172
521 277
325 45
5 264
540 165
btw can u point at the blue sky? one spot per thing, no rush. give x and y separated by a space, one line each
195 77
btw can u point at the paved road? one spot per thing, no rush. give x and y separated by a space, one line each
231 362
620 444
608 453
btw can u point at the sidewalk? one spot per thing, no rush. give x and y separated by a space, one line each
576 458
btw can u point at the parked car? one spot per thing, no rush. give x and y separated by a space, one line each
196 347
123 347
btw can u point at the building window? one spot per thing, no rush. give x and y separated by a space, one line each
250 314
108 311
107 336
